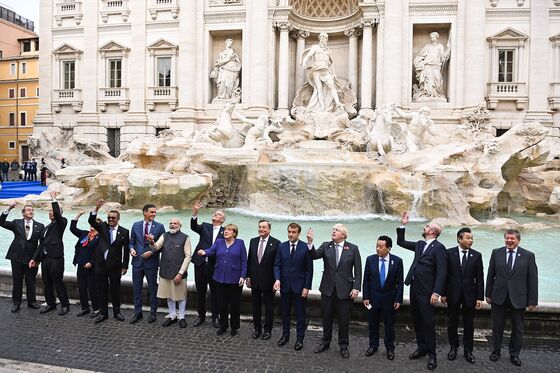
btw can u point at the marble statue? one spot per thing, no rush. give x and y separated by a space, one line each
420 122
222 131
258 135
428 65
383 133
226 74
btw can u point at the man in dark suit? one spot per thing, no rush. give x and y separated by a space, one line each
511 286
111 261
260 278
340 285
27 233
426 278
203 266
51 255
293 272
383 294
145 261
464 292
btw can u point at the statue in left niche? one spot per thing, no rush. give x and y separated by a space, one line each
227 69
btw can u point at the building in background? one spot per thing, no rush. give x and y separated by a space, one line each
19 84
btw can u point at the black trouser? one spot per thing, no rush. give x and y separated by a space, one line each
342 307
258 297
108 279
5 175
453 311
374 317
52 270
229 296
19 272
86 286
499 314
202 278
423 317
34 174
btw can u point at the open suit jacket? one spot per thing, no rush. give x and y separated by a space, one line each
21 249
52 234
429 268
262 274
392 291
204 231
521 283
468 281
294 275
345 276
138 242
119 254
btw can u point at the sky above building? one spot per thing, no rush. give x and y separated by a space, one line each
26 8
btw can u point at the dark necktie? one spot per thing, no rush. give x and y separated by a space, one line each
510 260
382 273
464 261
293 251
27 229
147 229
260 252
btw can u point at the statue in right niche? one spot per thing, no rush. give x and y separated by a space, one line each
428 65
226 74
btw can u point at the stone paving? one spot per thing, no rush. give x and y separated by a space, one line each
72 342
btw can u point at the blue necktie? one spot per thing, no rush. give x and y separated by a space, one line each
382 273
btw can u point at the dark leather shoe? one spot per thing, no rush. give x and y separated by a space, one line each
47 309
94 314
344 353
469 357
152 318
515 361
137 317
256 334
283 340
221 331
266 335
64 310
33 306
299 345
199 320
370 351
15 309
100 319
390 354
233 332
432 363
169 322
83 312
452 355
182 323
417 354
216 322
119 316
494 356
322 347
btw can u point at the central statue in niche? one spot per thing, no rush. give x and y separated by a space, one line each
325 103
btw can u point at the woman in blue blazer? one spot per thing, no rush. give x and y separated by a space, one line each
229 274
84 260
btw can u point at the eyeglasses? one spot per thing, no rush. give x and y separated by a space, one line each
111 217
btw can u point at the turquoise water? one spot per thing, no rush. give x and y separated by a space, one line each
363 231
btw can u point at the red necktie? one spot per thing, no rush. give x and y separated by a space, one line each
147 229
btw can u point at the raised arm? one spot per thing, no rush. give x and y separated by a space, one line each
7 224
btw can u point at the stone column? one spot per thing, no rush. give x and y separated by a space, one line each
367 69
44 117
257 17
300 36
475 74
538 61
353 58
394 58
283 69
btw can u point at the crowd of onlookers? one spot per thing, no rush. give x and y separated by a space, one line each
27 171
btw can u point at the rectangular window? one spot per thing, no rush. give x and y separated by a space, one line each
27 45
24 67
505 65
1 54
37 91
11 93
12 69
23 92
37 45
11 145
164 71
69 74
115 73
114 141
23 119
12 117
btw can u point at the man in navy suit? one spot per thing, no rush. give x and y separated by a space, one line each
260 278
464 292
511 285
145 261
426 278
203 266
383 294
293 271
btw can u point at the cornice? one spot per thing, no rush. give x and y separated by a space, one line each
499 13
231 16
433 9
